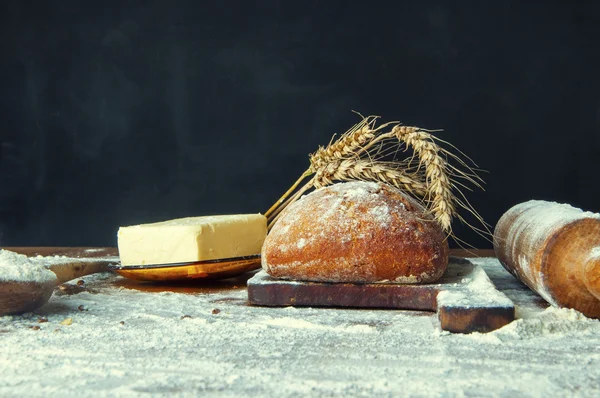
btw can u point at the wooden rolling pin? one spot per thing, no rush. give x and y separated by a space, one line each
555 250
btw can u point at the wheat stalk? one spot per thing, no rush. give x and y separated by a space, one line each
352 140
357 169
365 170
359 154
439 188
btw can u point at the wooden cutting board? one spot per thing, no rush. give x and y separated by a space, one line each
465 298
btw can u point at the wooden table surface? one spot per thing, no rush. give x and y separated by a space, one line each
110 336
112 251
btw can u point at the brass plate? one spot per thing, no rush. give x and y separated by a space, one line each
212 269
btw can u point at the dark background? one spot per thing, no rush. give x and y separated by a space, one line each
117 113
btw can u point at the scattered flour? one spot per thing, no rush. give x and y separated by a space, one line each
477 290
595 252
359 190
20 268
553 322
381 214
302 324
128 342
533 322
410 278
334 204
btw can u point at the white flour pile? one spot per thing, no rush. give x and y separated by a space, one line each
480 292
126 342
19 268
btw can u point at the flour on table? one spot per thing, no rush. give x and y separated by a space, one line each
20 268
289 322
134 343
553 322
478 291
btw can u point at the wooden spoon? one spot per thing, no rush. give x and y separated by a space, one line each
17 297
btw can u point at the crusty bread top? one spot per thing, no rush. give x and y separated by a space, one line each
356 232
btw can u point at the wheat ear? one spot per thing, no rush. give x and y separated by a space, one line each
366 170
346 146
350 144
439 188
359 155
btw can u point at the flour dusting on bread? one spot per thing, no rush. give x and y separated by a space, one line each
356 232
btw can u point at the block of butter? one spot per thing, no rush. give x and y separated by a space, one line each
192 239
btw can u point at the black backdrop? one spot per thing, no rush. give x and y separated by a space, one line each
116 113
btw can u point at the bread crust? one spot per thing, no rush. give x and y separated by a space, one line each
358 232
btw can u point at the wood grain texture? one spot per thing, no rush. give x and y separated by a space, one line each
459 317
554 250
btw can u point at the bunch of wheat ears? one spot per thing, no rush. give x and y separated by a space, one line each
367 152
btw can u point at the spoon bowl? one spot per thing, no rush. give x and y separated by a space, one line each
17 297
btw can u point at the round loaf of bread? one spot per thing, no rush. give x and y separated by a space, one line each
358 232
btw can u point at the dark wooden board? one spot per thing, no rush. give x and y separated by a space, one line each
465 299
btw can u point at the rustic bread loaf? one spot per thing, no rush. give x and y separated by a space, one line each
358 232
